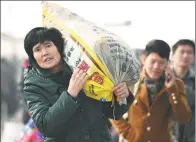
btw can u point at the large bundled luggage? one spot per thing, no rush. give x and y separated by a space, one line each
106 57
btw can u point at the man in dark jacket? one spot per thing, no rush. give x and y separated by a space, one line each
56 102
183 56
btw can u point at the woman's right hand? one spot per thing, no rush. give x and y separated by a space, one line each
77 82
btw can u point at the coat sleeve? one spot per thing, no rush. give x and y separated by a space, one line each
122 126
178 101
116 111
49 118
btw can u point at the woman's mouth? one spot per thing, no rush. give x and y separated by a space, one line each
47 59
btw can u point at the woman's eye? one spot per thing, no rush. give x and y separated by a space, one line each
36 50
48 45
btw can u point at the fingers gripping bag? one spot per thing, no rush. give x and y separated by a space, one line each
106 57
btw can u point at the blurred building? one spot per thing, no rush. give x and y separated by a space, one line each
12 47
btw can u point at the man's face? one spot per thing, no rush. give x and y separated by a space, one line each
154 65
183 56
46 55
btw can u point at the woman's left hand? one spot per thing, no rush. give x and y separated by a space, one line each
121 90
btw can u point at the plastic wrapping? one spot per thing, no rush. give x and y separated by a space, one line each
106 57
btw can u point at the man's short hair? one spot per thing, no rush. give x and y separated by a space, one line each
158 46
183 42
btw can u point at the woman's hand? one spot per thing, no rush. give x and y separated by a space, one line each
77 82
121 90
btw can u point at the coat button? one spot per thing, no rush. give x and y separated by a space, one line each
135 102
174 98
148 128
172 94
86 137
175 102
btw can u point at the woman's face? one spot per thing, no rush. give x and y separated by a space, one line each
47 56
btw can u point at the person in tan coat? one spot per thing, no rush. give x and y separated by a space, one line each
160 97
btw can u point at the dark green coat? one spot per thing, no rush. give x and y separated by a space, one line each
62 118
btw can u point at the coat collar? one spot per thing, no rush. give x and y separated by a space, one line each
143 92
47 73
189 75
61 77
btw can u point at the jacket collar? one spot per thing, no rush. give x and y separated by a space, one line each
61 78
49 74
189 75
143 92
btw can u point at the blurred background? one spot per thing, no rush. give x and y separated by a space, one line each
137 22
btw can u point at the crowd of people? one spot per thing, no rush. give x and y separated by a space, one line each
161 110
156 114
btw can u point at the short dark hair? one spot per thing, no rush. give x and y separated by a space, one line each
158 46
40 35
183 42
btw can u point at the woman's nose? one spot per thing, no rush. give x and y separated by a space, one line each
44 52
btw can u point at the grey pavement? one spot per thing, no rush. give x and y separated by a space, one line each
12 128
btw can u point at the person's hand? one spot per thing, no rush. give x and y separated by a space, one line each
121 90
125 116
122 139
77 82
169 78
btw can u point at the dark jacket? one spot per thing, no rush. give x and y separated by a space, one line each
186 132
62 118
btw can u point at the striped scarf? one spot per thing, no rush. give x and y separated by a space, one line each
153 87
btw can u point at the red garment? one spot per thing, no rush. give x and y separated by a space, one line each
25 63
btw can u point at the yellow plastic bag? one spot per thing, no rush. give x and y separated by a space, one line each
89 47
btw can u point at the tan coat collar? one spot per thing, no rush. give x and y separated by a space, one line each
143 93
